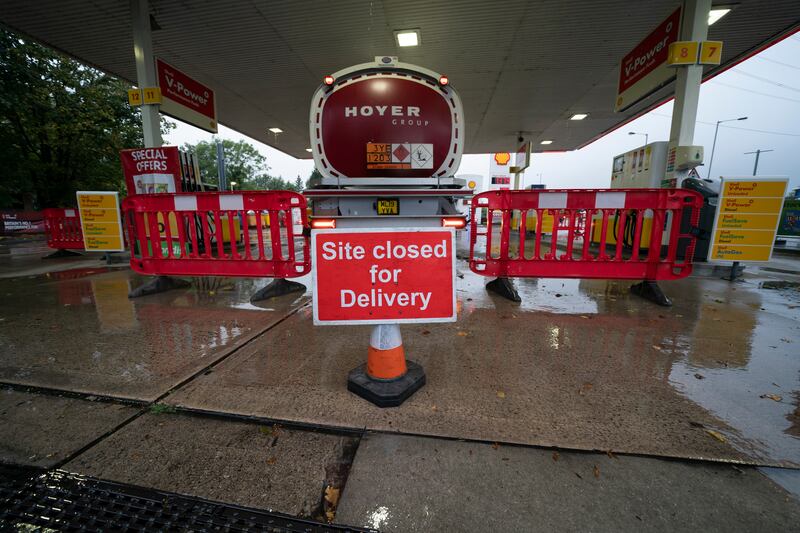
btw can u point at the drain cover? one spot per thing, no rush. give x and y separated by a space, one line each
34 498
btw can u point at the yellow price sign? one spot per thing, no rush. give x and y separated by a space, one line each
682 53
152 95
134 97
747 217
710 53
101 221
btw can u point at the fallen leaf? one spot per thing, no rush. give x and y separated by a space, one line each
556 456
717 435
332 495
501 394
462 334
426 332
656 347
265 430
596 472
773 397
433 408
699 376
611 454
584 316
330 515
272 461
495 445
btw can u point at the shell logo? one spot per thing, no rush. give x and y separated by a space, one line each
502 158
471 184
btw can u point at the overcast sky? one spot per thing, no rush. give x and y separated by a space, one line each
765 88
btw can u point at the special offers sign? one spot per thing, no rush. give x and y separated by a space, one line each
383 276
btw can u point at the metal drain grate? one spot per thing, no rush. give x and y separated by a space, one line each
36 499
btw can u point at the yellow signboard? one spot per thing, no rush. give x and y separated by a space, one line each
682 53
747 219
710 53
101 221
152 95
134 97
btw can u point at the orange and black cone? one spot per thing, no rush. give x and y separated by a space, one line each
387 379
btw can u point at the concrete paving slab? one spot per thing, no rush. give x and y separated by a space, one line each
400 483
229 461
579 364
41 430
77 330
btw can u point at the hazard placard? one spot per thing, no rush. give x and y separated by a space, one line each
383 276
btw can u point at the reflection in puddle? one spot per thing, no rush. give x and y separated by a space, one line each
742 365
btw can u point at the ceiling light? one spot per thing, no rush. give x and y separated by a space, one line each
717 13
328 80
308 149
276 130
546 142
579 116
407 37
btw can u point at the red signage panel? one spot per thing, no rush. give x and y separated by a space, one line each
375 276
650 53
644 69
151 170
386 125
186 98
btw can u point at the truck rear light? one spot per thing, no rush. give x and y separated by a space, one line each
323 223
454 222
443 80
328 80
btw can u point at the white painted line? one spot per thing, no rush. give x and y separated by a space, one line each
552 200
185 203
231 202
610 200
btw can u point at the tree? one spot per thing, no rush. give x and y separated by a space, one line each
244 165
314 179
62 125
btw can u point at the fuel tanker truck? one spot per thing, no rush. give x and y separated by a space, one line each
387 139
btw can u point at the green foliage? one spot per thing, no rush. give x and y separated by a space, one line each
244 165
162 409
62 125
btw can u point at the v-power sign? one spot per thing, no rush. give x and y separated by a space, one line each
376 276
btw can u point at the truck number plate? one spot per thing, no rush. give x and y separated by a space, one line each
388 206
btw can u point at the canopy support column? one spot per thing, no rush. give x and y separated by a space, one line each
145 70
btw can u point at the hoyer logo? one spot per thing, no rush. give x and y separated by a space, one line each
400 115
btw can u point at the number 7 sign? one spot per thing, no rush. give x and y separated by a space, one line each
710 53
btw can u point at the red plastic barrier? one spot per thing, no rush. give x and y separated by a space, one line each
63 229
251 234
625 249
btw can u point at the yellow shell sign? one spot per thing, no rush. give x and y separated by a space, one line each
471 184
502 158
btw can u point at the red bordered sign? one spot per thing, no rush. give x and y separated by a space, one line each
383 276
386 123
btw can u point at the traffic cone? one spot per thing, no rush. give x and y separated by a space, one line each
387 379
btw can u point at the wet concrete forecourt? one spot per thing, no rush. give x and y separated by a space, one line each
583 407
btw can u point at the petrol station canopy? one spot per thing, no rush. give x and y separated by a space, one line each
519 66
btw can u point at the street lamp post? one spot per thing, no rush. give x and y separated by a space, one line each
714 144
646 136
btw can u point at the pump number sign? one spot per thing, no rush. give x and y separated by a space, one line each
383 276
747 219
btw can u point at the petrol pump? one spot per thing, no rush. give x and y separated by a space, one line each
387 138
653 166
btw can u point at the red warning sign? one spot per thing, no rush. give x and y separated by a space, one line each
369 276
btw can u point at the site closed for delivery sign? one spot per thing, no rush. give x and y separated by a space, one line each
380 276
